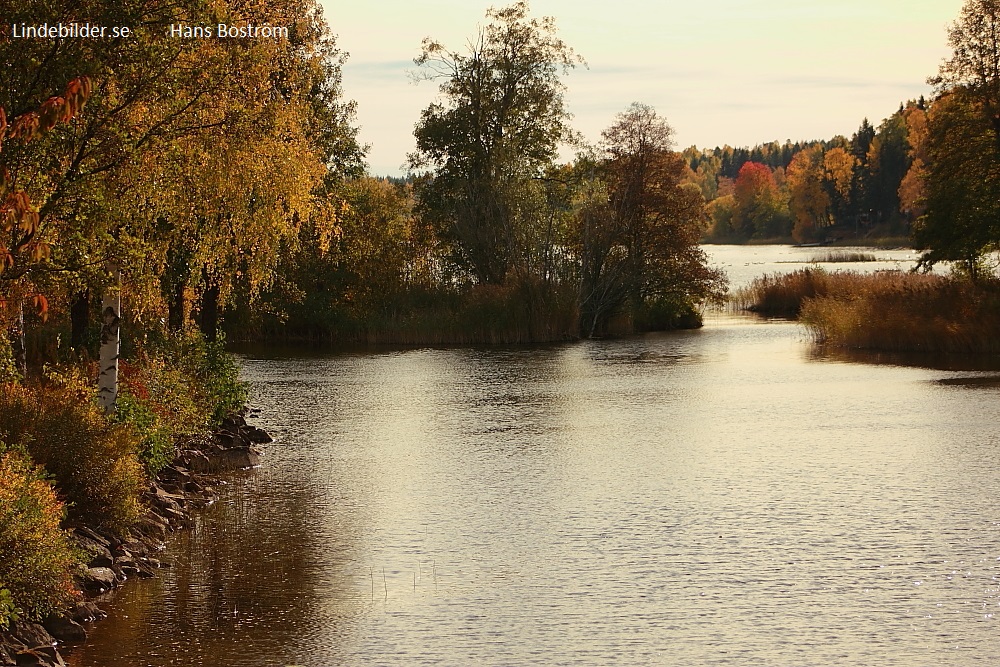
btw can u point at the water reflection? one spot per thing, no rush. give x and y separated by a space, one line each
724 496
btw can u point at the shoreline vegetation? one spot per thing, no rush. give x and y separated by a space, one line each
87 498
888 311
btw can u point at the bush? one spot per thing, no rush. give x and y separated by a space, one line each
94 461
196 379
8 369
36 558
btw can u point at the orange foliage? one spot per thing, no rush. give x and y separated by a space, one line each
17 214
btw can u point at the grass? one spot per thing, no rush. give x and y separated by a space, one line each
890 311
833 256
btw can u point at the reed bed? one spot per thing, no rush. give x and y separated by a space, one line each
893 311
835 256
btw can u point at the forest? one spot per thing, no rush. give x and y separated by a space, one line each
161 196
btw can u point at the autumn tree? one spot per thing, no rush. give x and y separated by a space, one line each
975 62
761 211
639 227
498 128
962 218
912 189
839 168
808 200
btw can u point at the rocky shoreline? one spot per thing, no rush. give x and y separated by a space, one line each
184 486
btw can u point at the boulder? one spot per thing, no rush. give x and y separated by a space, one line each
94 548
235 459
97 579
87 612
31 635
255 435
64 629
152 526
46 656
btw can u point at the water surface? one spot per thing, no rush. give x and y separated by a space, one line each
726 496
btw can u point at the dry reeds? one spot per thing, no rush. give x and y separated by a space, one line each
781 295
910 313
834 256
891 311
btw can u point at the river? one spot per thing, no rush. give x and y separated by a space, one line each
724 496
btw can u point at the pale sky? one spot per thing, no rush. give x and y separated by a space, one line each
737 72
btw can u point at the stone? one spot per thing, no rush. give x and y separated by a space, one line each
87 532
151 525
87 612
235 459
32 635
64 629
255 435
98 579
101 561
228 439
92 547
197 461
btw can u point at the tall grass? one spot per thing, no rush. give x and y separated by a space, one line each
892 311
905 312
835 256
524 312
781 295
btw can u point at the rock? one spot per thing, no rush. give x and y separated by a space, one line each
31 635
98 579
235 459
233 423
94 548
229 439
64 629
255 435
90 534
87 612
46 656
101 561
30 644
197 461
151 525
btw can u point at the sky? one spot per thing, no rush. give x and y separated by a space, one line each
737 72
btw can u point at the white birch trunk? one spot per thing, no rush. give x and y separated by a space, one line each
111 311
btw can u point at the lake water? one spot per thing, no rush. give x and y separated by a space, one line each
725 496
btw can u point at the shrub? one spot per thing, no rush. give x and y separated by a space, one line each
36 558
94 461
197 380
8 369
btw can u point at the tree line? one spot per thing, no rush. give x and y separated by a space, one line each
865 186
222 180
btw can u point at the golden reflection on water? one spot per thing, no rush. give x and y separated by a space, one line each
721 496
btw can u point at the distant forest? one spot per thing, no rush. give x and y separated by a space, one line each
865 186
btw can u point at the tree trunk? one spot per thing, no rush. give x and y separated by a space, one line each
175 307
210 310
79 316
111 309
17 346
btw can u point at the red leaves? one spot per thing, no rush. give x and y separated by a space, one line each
42 306
57 109
17 211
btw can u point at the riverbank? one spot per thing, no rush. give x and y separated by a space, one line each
110 558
